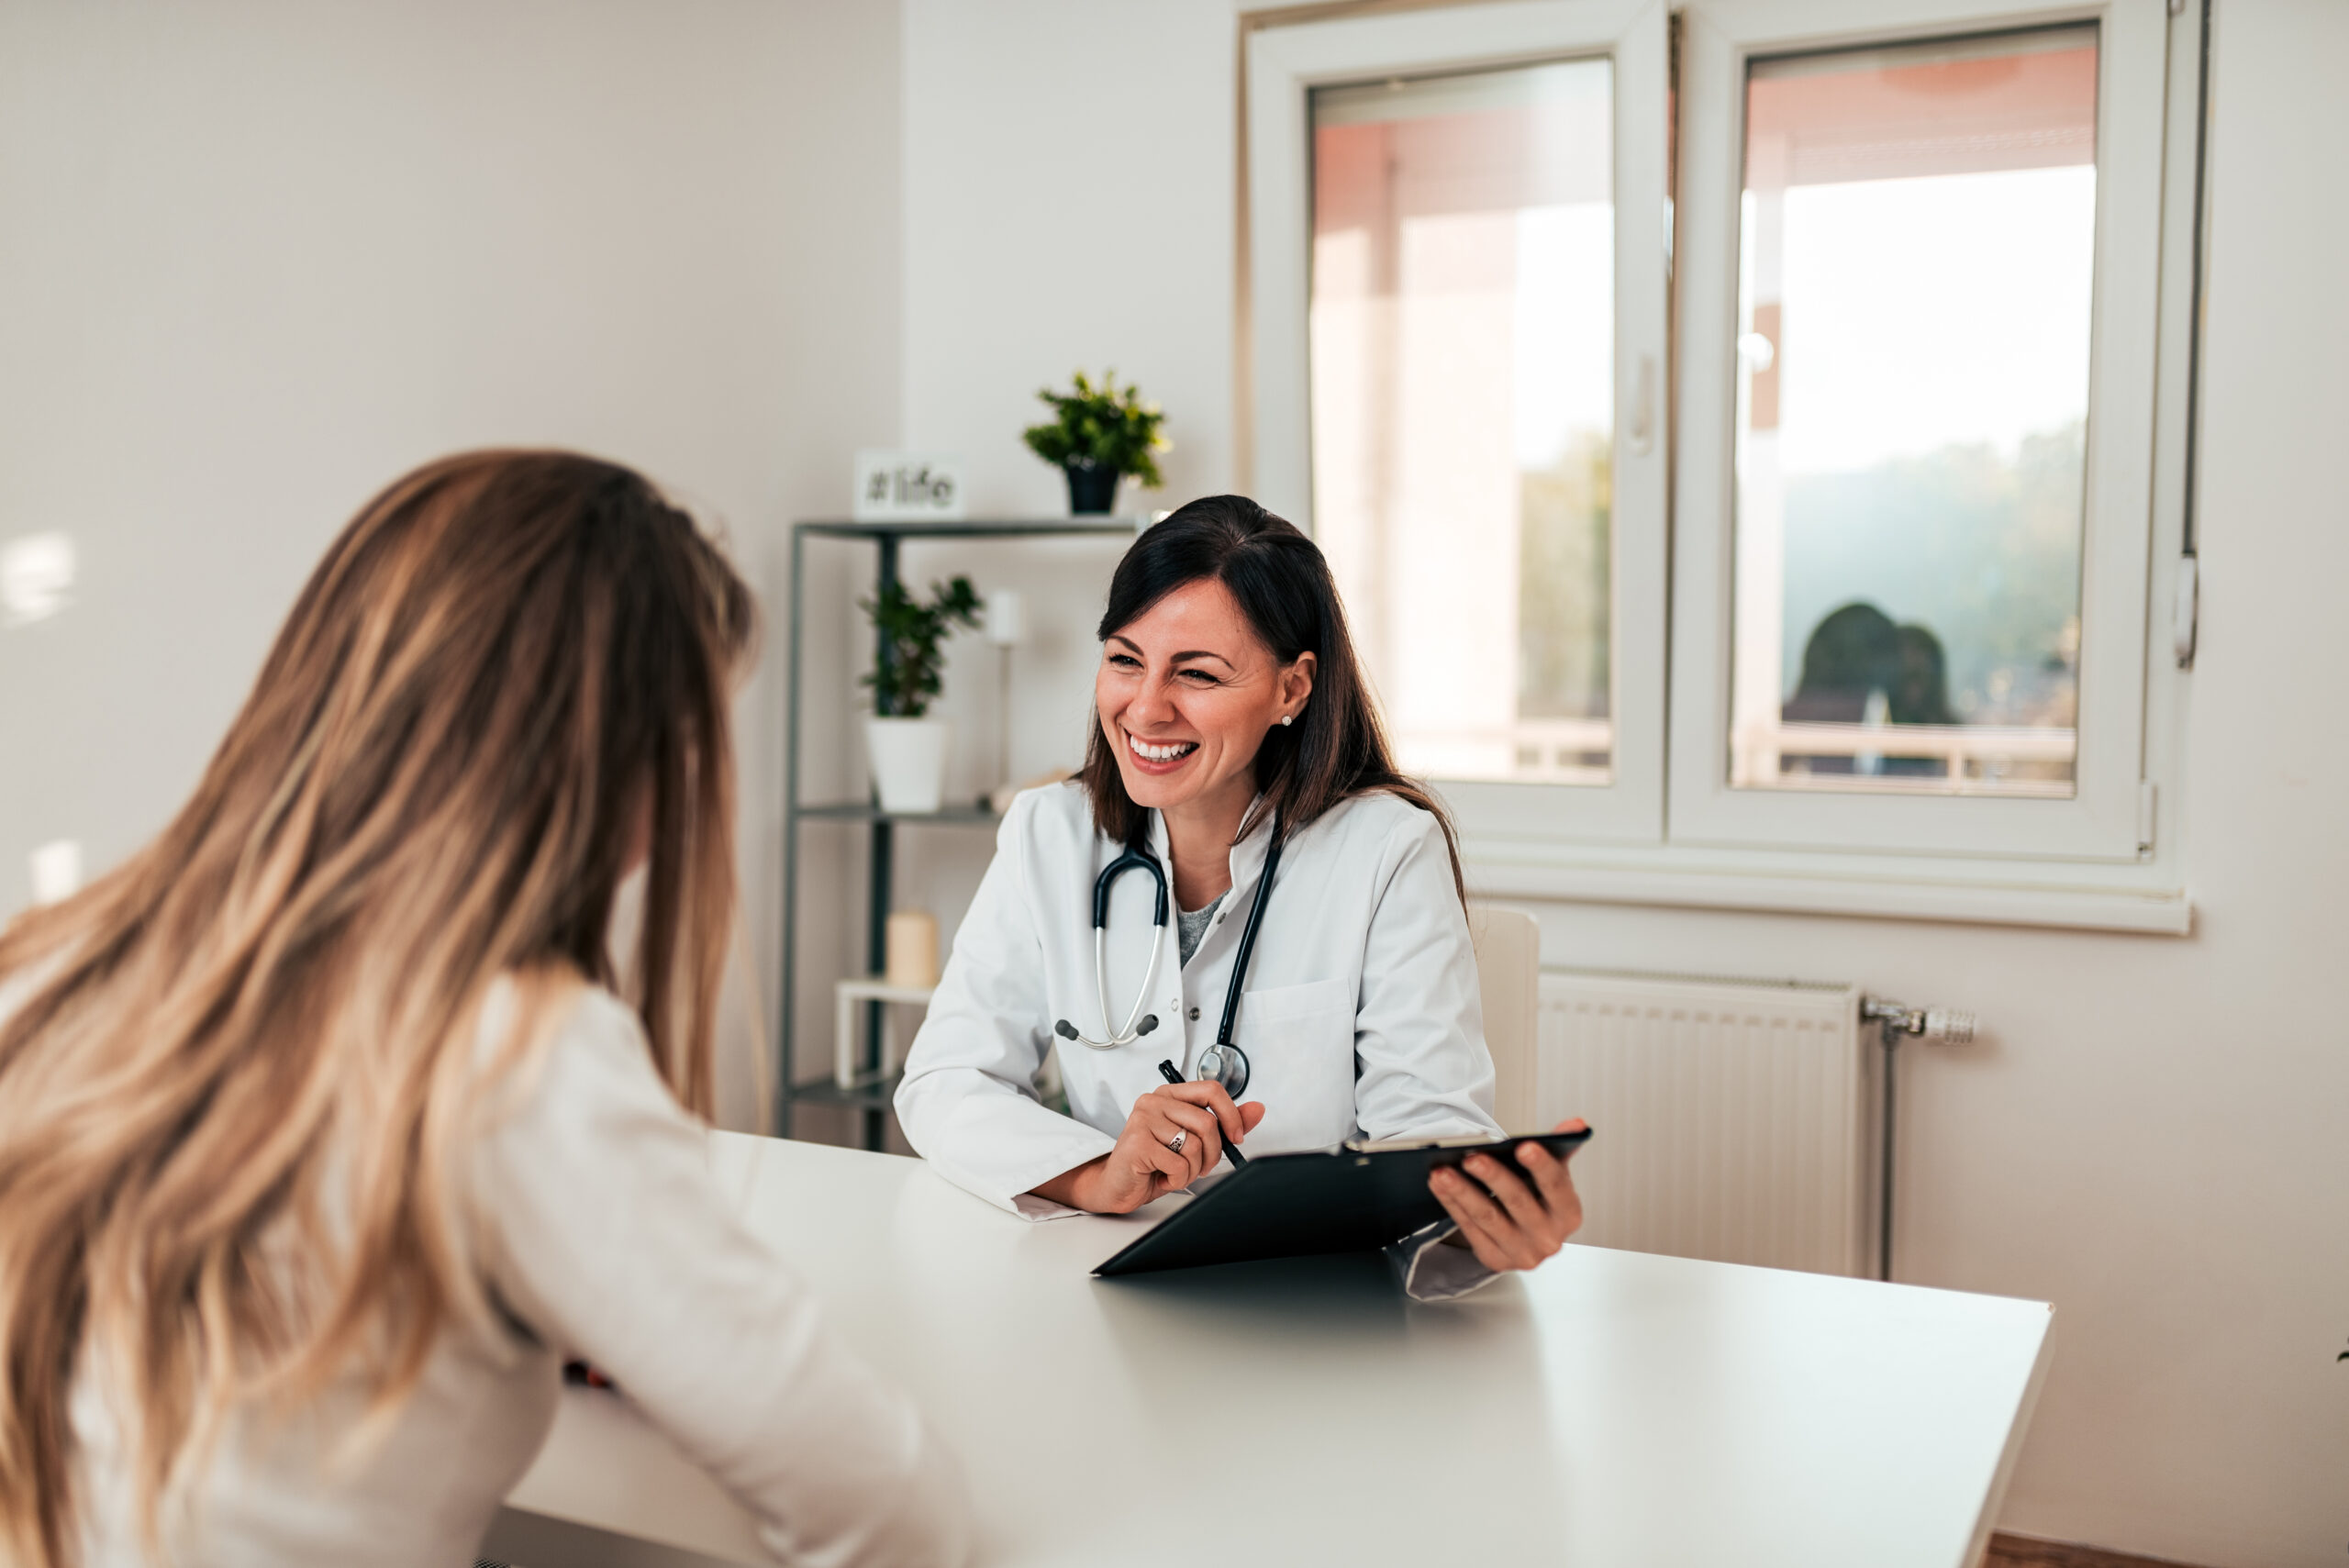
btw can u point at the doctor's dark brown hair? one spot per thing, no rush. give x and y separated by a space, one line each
1337 748
244 1071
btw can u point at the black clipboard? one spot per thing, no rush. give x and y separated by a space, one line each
1356 1197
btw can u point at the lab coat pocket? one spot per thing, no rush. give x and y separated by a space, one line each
1300 1045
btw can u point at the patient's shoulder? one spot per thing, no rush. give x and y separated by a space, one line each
553 1031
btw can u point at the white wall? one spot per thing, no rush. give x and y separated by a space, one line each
1070 207
1067 203
2150 1137
257 258
261 256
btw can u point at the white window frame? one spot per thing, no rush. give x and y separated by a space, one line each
2099 821
2112 859
1285 64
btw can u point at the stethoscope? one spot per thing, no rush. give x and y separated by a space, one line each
1223 1062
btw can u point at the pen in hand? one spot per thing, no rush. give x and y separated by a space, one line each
1231 1151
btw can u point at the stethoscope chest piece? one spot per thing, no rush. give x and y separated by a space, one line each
1227 1064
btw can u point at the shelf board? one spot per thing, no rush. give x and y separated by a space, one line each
978 527
849 811
879 988
824 1092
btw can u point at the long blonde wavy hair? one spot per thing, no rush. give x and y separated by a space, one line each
508 679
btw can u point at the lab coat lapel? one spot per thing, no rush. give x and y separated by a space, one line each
1248 859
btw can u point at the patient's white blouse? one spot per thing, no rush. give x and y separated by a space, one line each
602 1235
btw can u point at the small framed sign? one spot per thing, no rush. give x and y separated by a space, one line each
908 487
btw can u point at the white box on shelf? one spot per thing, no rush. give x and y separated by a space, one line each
846 995
908 487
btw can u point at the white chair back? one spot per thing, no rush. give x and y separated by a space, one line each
1508 980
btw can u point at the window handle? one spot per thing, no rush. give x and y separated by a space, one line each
1643 409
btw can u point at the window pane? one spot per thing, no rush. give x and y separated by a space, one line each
1916 273
1463 344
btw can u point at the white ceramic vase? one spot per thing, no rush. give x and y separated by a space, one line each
909 757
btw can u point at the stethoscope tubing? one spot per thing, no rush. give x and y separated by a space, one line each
1248 941
1130 1034
1137 1025
1224 1062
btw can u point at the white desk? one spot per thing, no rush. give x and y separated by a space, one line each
1611 1410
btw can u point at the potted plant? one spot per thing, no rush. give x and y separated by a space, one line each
906 747
1098 434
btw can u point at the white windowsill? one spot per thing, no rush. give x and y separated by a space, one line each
2145 898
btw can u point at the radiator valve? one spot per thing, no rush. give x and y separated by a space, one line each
1944 1025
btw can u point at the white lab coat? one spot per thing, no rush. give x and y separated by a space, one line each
1360 1014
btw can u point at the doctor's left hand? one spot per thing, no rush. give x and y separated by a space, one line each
1508 1222
1199 1116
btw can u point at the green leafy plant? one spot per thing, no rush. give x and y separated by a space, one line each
904 682
1099 426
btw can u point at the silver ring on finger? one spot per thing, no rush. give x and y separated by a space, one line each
1177 1142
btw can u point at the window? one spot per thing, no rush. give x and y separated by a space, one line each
1937 448
1457 281
1883 644
1462 355
1917 239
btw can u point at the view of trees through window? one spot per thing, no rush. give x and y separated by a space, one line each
1564 587
1982 548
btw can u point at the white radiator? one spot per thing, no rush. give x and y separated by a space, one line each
1735 1119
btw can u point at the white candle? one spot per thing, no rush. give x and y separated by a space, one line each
912 947
1006 617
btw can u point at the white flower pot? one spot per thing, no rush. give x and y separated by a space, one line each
909 761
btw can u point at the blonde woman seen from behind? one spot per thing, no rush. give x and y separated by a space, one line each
325 1129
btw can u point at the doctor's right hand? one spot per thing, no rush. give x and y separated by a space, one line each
1174 1136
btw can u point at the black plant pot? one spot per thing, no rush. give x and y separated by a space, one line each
1092 487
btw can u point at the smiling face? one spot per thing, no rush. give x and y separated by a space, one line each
1186 691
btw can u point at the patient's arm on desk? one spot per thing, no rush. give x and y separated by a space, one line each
603 1231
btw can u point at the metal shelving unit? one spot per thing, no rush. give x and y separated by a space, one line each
873 1091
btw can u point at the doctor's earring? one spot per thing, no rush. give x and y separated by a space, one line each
1287 719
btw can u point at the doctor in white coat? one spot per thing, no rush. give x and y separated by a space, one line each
1232 716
